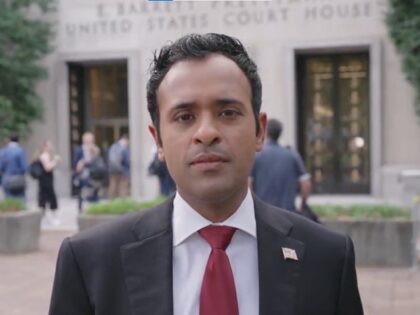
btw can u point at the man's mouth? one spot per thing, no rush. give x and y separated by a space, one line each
208 158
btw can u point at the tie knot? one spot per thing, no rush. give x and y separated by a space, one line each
217 236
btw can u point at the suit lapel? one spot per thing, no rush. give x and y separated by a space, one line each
147 264
278 277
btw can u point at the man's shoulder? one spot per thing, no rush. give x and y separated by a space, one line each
275 149
309 230
302 229
115 145
124 229
7 148
12 151
269 151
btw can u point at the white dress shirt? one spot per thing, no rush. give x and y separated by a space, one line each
191 252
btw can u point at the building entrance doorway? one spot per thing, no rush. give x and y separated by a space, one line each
98 98
333 121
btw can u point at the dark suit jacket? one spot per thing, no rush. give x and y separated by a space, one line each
125 267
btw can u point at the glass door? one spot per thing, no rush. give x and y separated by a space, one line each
333 121
107 102
98 102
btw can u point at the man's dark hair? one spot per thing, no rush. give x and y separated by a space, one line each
274 129
14 137
199 46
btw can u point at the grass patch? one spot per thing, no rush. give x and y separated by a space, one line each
360 211
11 205
121 206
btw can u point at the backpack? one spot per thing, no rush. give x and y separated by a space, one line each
97 169
115 159
36 169
157 167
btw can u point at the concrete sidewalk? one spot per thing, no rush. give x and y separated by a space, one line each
66 214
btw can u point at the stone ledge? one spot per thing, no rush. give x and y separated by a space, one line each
19 232
382 243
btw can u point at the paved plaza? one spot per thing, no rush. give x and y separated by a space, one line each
26 280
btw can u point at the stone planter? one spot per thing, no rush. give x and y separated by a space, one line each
379 242
86 221
19 232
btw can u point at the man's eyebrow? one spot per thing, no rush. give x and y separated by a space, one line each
182 105
228 101
221 102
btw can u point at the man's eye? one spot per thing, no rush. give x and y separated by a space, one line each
184 117
230 113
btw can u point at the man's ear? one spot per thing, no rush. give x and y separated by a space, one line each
153 131
261 133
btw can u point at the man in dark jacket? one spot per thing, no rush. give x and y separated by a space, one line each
214 248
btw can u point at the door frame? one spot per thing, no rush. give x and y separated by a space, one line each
87 123
138 115
373 47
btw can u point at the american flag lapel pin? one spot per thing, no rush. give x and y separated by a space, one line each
289 253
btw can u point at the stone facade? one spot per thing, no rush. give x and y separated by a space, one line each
274 33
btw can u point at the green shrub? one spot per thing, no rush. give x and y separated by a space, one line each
11 205
360 211
121 206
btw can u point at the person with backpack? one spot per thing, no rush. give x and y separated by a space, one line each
158 168
89 170
1 173
13 165
46 193
119 168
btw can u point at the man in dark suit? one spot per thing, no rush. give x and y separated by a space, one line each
213 248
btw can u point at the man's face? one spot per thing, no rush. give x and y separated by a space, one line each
88 139
207 128
48 146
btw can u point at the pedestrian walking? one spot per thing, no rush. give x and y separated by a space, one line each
13 165
46 192
1 173
89 170
158 168
278 174
119 168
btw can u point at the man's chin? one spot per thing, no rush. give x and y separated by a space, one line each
213 193
203 188
214 196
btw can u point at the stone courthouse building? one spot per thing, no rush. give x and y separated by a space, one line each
329 70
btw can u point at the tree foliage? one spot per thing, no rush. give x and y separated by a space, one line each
403 22
25 35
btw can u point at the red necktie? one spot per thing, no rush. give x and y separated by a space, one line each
218 293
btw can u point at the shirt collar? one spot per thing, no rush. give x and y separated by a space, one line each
186 221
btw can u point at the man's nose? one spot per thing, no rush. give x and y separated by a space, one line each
207 132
